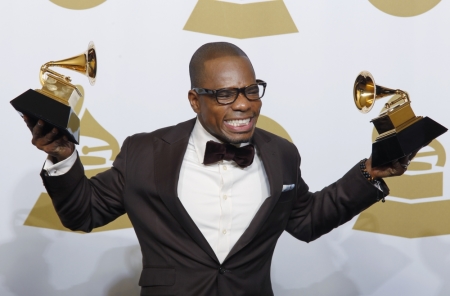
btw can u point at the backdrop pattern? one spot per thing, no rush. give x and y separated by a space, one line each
309 52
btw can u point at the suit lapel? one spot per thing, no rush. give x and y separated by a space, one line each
272 165
169 154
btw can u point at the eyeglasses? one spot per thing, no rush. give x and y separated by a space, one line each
225 96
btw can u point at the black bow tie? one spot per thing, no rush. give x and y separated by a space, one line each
215 152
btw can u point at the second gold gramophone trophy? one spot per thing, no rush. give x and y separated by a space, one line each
54 103
400 130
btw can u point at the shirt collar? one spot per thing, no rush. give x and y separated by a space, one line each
200 136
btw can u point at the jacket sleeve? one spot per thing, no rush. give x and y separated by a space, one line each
314 214
82 203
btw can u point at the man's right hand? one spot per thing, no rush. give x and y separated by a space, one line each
49 140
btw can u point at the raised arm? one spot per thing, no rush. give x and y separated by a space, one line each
81 203
314 214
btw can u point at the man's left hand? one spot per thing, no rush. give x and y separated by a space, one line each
396 168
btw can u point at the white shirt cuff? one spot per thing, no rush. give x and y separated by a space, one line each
61 167
378 186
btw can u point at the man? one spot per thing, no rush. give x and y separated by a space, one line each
207 216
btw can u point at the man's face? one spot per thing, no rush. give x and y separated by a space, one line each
233 123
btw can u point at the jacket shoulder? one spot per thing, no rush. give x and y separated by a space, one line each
169 134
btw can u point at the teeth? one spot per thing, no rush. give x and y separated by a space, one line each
239 122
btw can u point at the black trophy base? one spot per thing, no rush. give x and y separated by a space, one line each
59 115
406 141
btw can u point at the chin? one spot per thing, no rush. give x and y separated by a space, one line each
238 140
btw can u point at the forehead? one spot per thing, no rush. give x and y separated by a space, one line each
228 71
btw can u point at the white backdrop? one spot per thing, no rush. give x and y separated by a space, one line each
142 85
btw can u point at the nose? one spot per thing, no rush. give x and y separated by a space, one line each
242 103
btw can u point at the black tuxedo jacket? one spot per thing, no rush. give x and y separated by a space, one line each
177 259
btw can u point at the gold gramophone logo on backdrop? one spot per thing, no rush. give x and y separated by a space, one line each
404 8
417 216
78 4
270 125
241 19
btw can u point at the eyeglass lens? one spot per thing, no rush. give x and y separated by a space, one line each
251 92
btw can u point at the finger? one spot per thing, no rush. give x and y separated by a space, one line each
50 137
60 148
405 161
404 164
399 166
37 132
29 122
43 138
38 128
398 163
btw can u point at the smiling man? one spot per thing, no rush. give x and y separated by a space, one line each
208 198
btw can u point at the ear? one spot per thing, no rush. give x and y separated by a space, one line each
194 101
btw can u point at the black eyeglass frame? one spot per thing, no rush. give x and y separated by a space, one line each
205 91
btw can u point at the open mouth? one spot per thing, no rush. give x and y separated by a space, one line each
238 122
240 125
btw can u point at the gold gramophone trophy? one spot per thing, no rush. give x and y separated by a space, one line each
400 130
54 103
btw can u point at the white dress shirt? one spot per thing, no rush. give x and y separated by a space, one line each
221 198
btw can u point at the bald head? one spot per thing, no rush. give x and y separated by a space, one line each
210 51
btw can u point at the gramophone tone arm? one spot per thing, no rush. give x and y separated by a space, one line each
403 98
45 69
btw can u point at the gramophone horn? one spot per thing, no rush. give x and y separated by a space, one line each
365 92
85 63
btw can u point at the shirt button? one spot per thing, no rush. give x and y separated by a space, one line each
224 231
221 270
224 167
225 197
